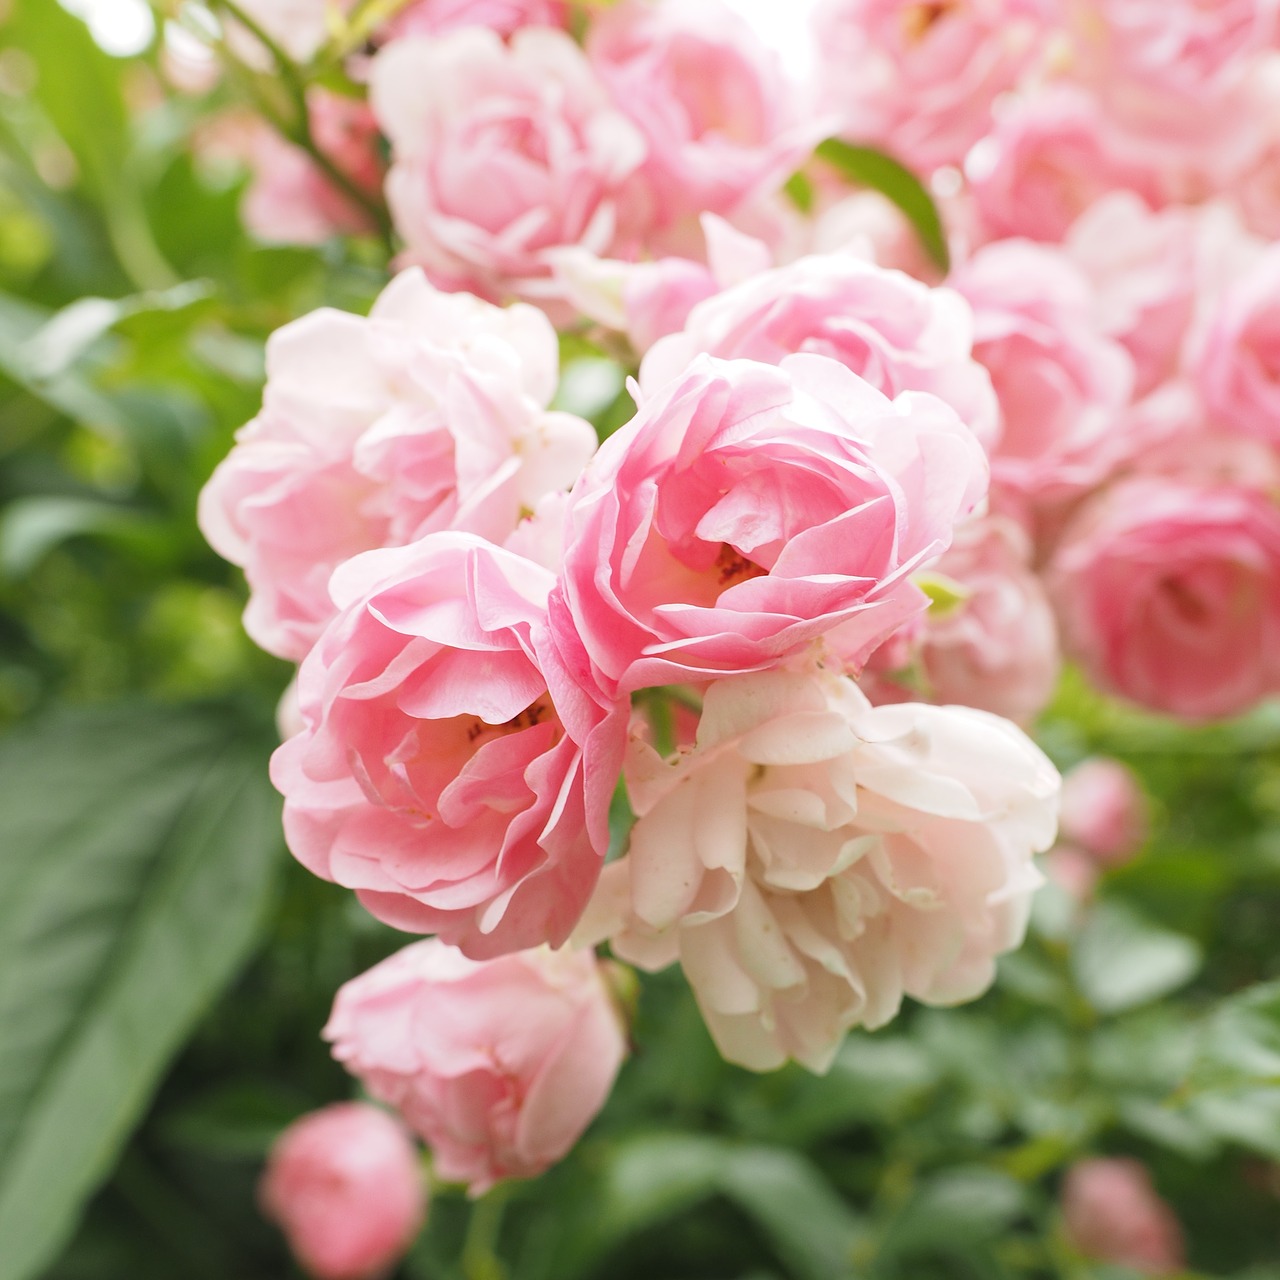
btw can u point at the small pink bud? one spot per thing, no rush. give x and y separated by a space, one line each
345 1187
1112 1213
1103 810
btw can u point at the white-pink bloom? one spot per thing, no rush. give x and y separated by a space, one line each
749 511
345 1186
500 152
427 415
298 27
920 79
1060 382
898 334
499 1065
813 859
722 121
1142 266
449 769
1103 810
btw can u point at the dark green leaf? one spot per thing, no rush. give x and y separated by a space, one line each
137 849
871 168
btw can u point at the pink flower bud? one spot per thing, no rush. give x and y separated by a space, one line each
500 1065
1112 1213
1103 810
346 1189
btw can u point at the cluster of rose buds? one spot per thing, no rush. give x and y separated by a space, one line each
860 511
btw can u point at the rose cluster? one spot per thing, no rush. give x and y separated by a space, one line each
771 639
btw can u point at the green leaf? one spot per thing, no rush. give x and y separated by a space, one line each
1121 959
139 848
31 527
871 168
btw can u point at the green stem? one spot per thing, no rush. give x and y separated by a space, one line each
480 1259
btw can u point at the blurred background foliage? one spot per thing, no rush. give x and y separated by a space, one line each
165 969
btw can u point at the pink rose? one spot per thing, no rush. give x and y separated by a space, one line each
500 1065
747 511
448 770
1168 592
920 79
1046 162
1142 267
722 122
1237 368
1059 381
290 199
813 859
430 17
500 153
997 648
427 415
1112 1213
898 334
1104 810
345 1186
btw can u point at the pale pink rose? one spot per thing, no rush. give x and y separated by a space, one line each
290 199
748 511
920 78
814 859
345 1186
869 223
430 17
1112 1213
898 334
1142 266
1237 368
997 648
427 415
1060 382
722 121
1168 592
499 1065
449 770
1046 162
1104 810
1177 49
500 152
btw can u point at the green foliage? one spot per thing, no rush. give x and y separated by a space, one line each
867 167
139 855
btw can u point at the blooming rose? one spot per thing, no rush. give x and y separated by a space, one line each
448 770
499 152
814 858
499 1065
1237 368
345 1186
427 415
997 647
920 78
1112 1213
290 199
1168 592
1059 381
898 334
721 120
1142 267
1046 162
747 511
1103 810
